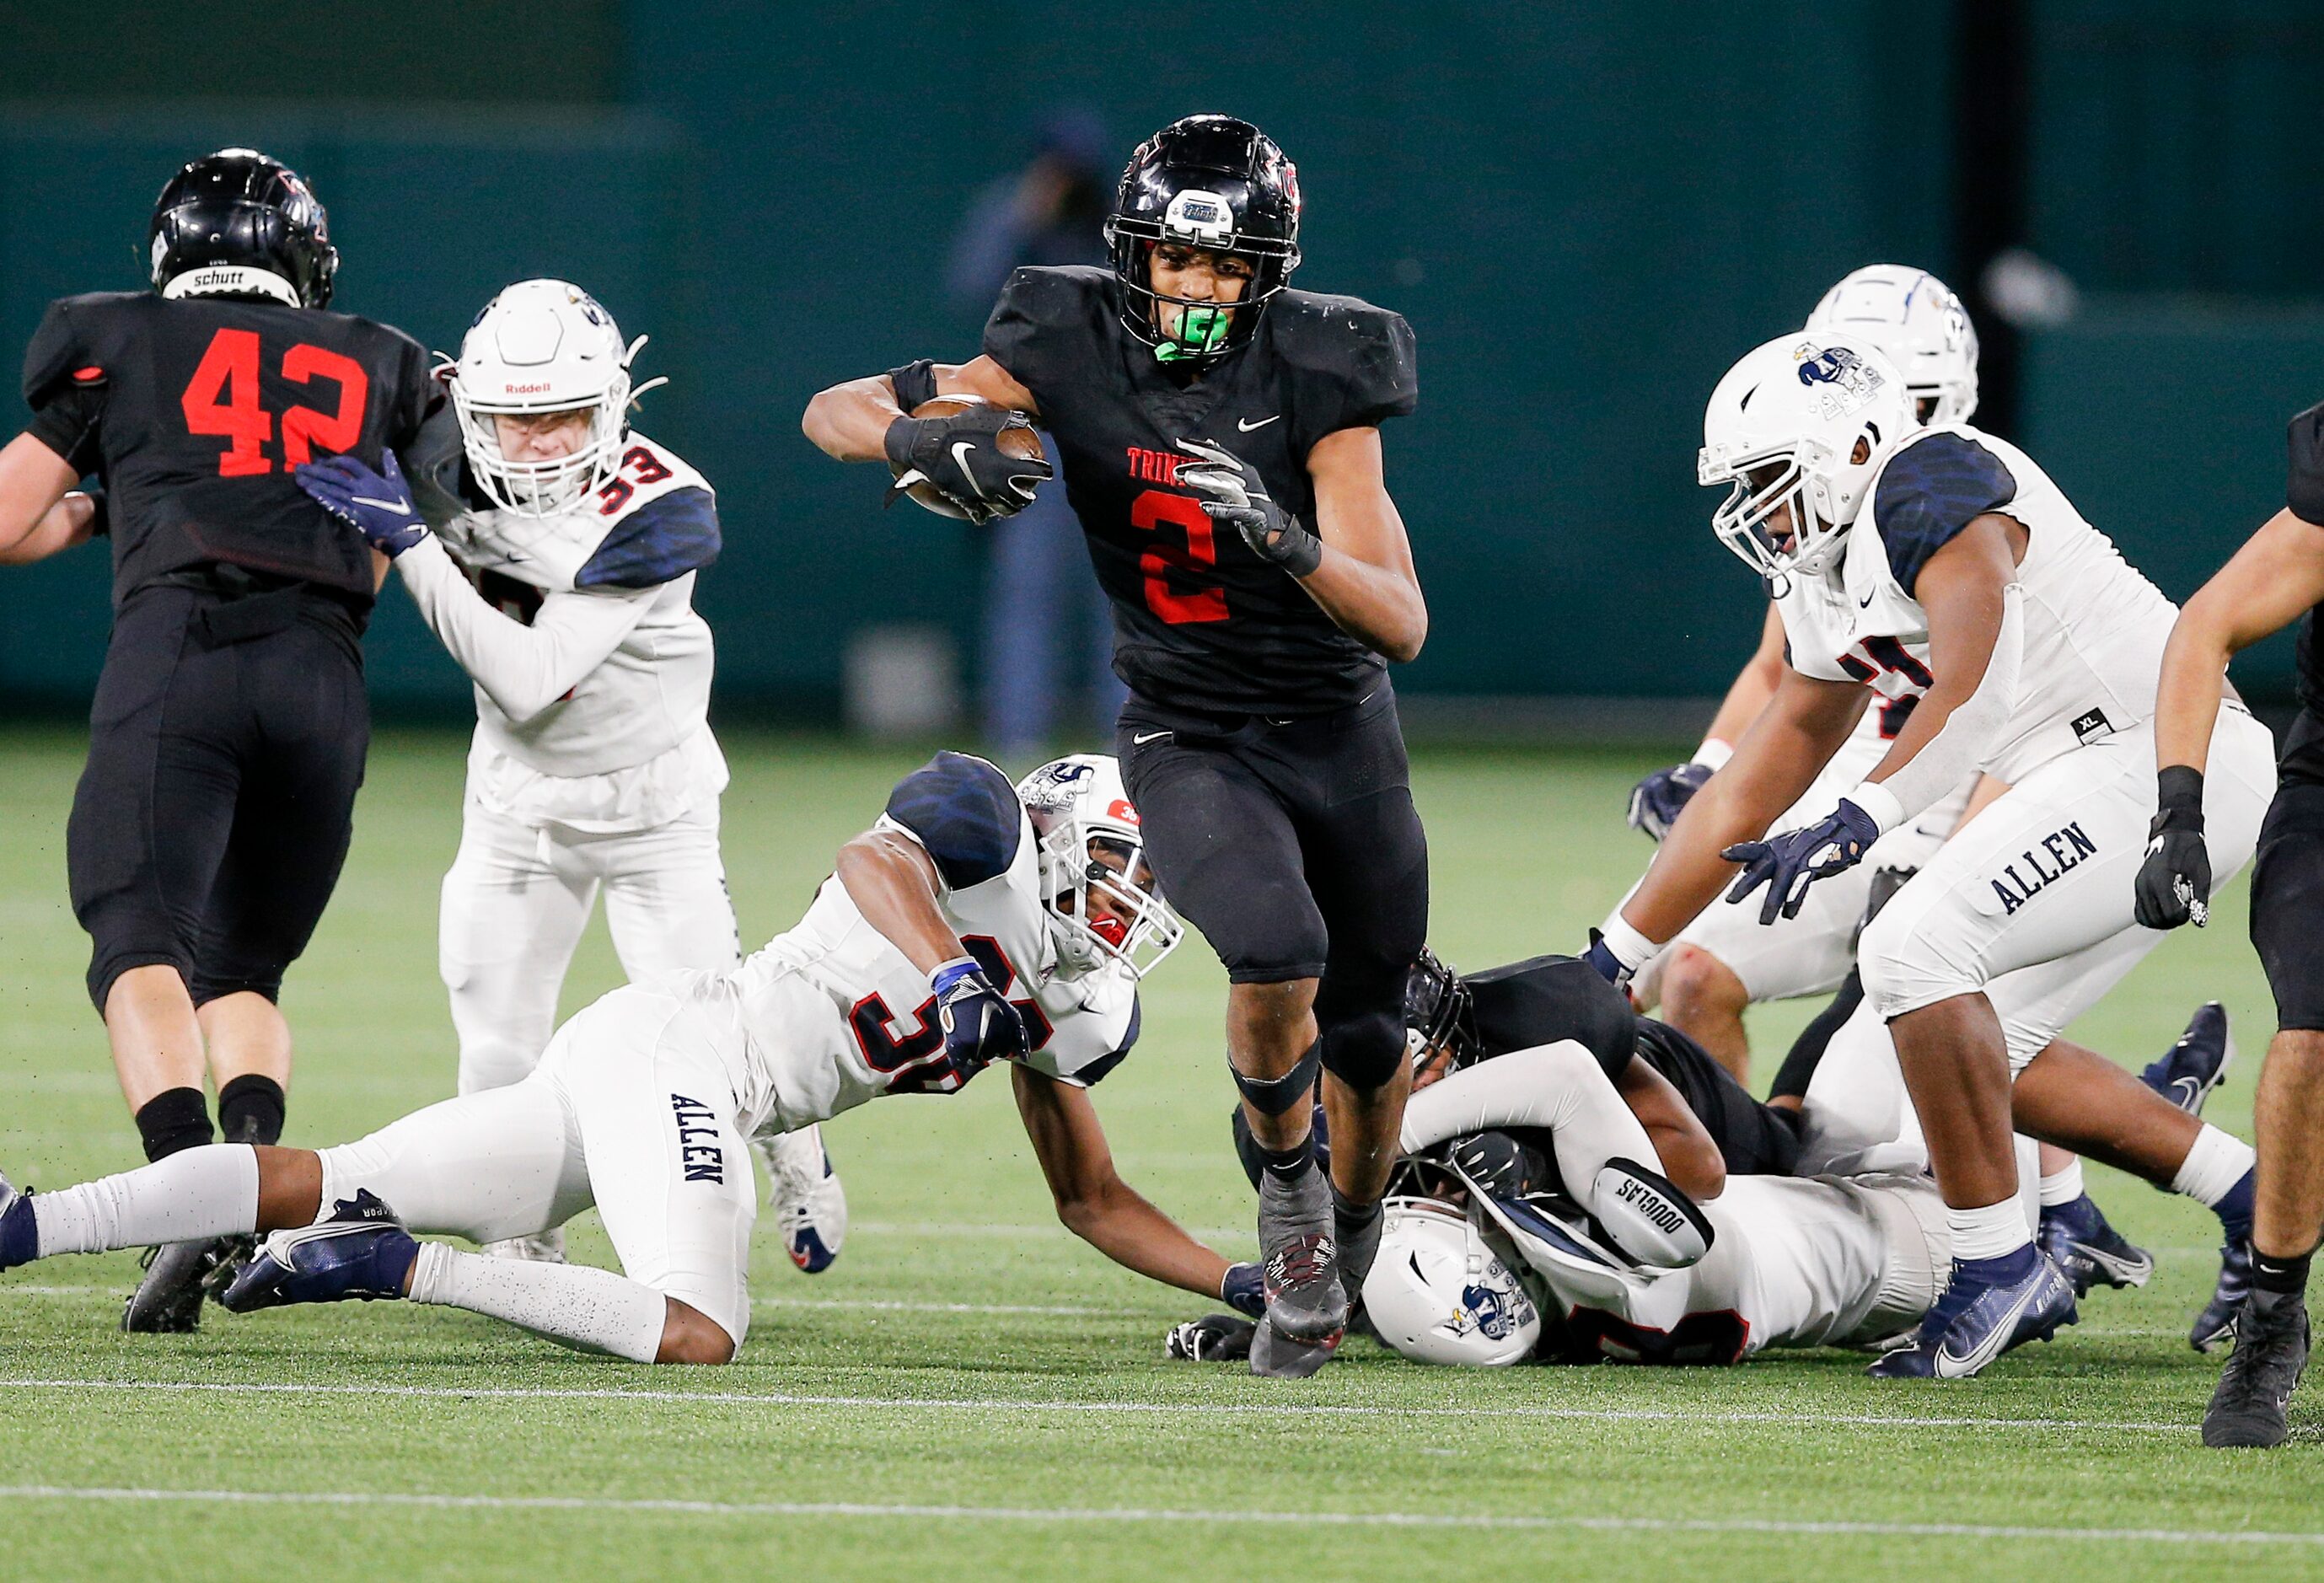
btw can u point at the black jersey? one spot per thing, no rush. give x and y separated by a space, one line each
193 412
1548 998
2304 747
1201 623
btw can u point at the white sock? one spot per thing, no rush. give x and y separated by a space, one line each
1989 1232
198 1192
2064 1187
593 1310
2215 1162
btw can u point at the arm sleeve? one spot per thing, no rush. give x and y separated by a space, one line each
964 813
1957 750
522 669
1558 1088
1930 491
65 387
2304 492
1383 379
659 542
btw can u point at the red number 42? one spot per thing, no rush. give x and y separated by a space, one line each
222 399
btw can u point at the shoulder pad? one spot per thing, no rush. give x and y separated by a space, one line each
2304 487
964 813
1369 352
72 340
1649 1217
1056 294
1932 489
1547 998
663 530
1035 307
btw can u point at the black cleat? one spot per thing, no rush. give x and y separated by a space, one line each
1300 1259
168 1301
2271 1353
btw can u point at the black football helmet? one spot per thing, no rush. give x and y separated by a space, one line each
1212 182
234 211
1438 1008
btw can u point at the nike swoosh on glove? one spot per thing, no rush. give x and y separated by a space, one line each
1787 864
1656 802
2174 880
380 506
1233 496
1215 1338
980 1026
961 456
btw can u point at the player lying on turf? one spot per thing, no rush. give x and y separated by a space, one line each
897 981
559 572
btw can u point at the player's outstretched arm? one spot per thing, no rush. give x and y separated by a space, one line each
1095 1203
849 422
40 512
2277 574
1794 737
1365 581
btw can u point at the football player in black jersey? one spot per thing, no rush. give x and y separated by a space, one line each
228 732
1219 435
2276 578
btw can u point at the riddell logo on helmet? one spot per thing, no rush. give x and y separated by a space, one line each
535 389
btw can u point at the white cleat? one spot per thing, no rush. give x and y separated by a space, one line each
546 1247
810 1207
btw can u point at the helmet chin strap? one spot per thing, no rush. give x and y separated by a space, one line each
232 281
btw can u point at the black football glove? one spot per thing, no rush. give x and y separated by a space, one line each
1233 497
980 1026
961 456
1215 1338
1787 864
2174 882
1656 801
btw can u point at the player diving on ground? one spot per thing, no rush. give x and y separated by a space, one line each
973 922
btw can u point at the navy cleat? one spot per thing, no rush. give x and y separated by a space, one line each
2191 1068
2271 1354
2091 1253
1989 1306
2216 1324
359 1252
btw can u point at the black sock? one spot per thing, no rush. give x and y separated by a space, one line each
2288 1276
1350 1214
250 1110
173 1119
1288 1165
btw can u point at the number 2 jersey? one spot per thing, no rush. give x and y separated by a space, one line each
831 1014
613 579
1202 621
193 414
2094 627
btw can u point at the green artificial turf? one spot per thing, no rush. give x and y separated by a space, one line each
970 1392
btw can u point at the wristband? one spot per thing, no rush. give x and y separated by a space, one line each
1632 948
2179 798
1713 754
1880 803
916 384
949 974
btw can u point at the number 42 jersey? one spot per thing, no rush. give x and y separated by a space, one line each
193 412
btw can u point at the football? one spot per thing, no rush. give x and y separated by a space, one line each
1022 442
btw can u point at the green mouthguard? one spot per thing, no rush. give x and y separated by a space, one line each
1200 330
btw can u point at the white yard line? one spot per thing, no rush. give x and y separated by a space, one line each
1275 1410
840 1304
1154 1514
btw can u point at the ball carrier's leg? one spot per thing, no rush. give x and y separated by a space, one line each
1274 1053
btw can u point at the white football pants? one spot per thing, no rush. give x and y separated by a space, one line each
518 896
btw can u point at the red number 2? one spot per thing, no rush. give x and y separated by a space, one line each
1151 511
223 399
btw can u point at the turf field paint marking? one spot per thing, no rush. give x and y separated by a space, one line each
1011 1405
957 1514
889 1305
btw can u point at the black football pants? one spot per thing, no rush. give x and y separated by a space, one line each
225 745
1295 848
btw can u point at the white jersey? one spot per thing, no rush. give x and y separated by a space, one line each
2095 627
835 1015
1795 1262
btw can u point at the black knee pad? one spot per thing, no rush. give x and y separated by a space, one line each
1365 1051
1273 1096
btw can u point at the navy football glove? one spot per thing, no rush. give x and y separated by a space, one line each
1655 801
1787 864
961 456
1245 1288
2174 882
1234 497
380 507
980 1026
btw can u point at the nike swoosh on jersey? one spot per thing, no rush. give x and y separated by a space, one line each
1245 425
1953 1365
1150 737
1866 602
960 461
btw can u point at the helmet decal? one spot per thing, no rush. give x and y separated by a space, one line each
1494 1314
1851 383
1198 216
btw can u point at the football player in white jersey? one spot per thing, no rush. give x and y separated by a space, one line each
1725 959
973 922
560 574
1939 564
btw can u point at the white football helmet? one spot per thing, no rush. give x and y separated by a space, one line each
1096 885
544 346
1437 1293
1918 322
1797 427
